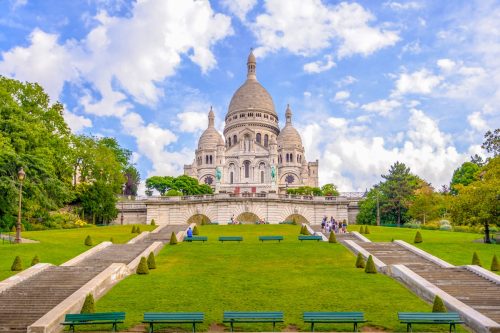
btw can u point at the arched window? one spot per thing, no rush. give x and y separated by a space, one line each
231 177
211 159
257 137
298 158
229 141
266 140
287 157
291 157
262 177
235 139
206 159
247 169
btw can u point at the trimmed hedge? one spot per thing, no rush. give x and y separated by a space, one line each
370 266
195 230
151 261
494 263
360 261
173 239
17 265
475 259
332 238
88 305
35 260
438 305
143 267
418 238
88 241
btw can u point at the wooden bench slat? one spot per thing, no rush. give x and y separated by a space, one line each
193 318
253 317
73 319
334 317
266 238
311 237
438 318
230 238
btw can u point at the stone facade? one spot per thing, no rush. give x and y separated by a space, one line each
254 156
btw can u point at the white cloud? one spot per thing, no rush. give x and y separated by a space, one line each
346 81
192 122
76 122
383 107
477 122
341 95
394 5
346 25
319 66
446 65
19 3
240 8
419 82
307 94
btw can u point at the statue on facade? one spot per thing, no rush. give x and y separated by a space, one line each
218 174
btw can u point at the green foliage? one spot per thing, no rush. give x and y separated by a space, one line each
329 190
17 265
494 264
138 229
362 229
438 305
294 221
426 204
418 238
153 222
360 261
475 259
111 239
173 193
492 142
133 178
98 201
88 241
370 266
134 230
302 229
305 190
464 175
88 304
367 231
195 230
143 266
332 238
174 186
173 239
151 261
35 261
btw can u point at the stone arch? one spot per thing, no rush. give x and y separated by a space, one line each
286 173
199 219
243 208
247 218
299 219
304 211
199 209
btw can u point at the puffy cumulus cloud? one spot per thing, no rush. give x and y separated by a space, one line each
354 160
446 65
419 82
240 8
477 122
383 107
76 122
341 95
44 61
319 66
346 25
411 5
192 122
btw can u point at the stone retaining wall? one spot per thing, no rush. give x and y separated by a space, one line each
20 277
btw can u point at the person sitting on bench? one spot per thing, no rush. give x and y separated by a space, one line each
190 232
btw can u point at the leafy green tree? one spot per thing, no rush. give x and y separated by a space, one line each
98 200
305 190
492 142
173 186
133 178
426 204
329 190
464 175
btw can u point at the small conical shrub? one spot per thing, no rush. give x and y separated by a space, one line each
418 238
88 304
17 265
332 238
475 259
494 263
392 239
138 230
370 266
438 305
302 230
13 228
306 231
133 230
143 266
88 241
362 230
151 261
195 230
35 260
366 230
112 240
153 222
360 261
173 239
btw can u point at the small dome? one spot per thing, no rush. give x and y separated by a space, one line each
289 137
210 137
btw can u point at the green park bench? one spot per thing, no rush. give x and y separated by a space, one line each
334 317
271 238
113 318
286 222
309 237
230 239
253 317
446 318
152 318
196 239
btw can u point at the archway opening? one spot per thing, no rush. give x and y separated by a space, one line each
247 218
297 218
199 219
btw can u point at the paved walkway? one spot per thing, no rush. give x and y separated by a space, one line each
25 303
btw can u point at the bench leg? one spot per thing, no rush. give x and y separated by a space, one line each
231 326
150 327
72 328
113 328
194 327
312 327
274 325
355 327
454 328
408 327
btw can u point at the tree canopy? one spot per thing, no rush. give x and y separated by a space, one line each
181 185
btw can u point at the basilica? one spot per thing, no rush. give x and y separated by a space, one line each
253 155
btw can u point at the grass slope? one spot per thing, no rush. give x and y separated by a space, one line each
58 246
455 247
252 276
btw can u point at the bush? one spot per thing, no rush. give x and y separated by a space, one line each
88 241
294 221
133 230
418 238
332 238
302 230
370 266
362 229
438 305
153 222
17 265
35 260
112 240
88 304
151 261
138 230
366 230
306 231
494 263
195 230
173 239
360 261
475 259
143 266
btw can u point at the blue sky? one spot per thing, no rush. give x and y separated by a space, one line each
369 82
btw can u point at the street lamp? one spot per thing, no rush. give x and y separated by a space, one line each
20 175
123 197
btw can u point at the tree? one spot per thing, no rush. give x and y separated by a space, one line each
151 261
464 175
142 268
99 201
426 204
370 266
172 186
133 178
329 190
17 265
492 142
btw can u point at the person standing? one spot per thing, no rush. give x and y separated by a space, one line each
190 232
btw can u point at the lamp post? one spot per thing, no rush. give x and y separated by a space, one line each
123 197
20 175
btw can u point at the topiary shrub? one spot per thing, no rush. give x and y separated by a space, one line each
173 239
418 238
302 230
35 260
153 222
151 261
88 304
294 221
332 238
306 231
494 263
138 230
366 230
360 261
195 230
133 230
112 240
143 266
88 241
17 265
370 266
475 259
362 229
438 305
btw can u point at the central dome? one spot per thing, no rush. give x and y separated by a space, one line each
251 95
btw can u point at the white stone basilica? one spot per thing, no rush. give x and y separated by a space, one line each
255 156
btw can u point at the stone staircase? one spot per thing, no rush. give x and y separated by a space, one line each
25 303
340 237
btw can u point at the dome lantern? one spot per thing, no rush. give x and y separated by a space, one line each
251 66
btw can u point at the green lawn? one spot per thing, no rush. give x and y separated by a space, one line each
251 276
58 246
455 247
